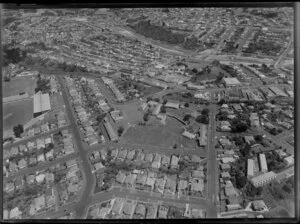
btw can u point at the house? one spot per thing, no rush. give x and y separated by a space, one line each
140 157
103 212
174 162
40 202
141 180
22 164
129 180
149 157
122 154
30 179
197 185
163 212
182 186
225 166
231 82
12 167
5 214
49 155
165 161
189 135
128 208
32 161
15 213
40 178
230 191
249 139
160 184
117 206
131 155
156 161
234 200
50 197
49 178
40 158
114 153
289 160
197 174
196 159
259 205
230 207
10 186
103 154
19 182
170 186
151 211
140 209
98 166
225 175
150 182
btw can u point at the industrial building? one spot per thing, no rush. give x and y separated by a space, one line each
41 103
229 82
263 179
250 168
203 135
263 163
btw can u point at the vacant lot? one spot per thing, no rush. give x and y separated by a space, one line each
155 135
18 85
19 113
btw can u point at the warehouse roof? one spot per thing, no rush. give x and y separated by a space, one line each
41 102
231 81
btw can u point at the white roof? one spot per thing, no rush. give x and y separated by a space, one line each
41 102
250 167
231 81
263 162
263 176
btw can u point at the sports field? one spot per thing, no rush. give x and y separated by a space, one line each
155 135
17 113
18 85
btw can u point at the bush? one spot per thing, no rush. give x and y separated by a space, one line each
18 130
120 130
186 104
205 111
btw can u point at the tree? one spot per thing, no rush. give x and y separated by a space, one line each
175 146
220 76
273 131
6 78
157 100
18 130
187 117
222 101
163 109
186 105
258 138
205 111
120 130
100 117
149 98
146 116
241 181
202 119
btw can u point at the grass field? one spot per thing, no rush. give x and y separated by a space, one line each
156 135
18 85
22 112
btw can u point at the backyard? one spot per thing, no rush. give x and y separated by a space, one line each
18 85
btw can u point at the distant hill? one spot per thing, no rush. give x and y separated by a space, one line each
164 34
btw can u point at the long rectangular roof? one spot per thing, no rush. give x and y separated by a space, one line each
41 102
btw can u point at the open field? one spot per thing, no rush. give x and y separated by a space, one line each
18 85
157 135
22 112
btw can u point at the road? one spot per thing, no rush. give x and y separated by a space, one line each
89 178
278 62
212 172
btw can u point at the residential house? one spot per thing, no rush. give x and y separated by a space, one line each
140 210
129 180
15 213
174 162
152 211
117 206
22 164
160 184
128 208
170 186
163 212
131 155
141 181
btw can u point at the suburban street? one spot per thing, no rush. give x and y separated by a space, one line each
212 171
89 178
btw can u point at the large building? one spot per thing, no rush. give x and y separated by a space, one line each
263 179
111 132
250 168
203 135
229 82
41 103
263 163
